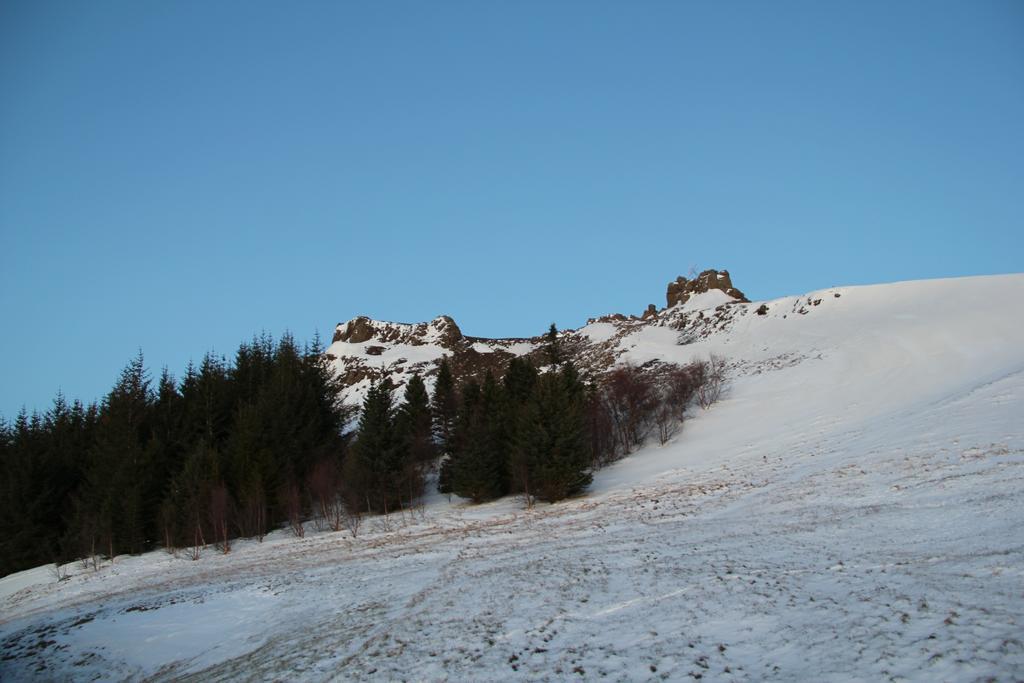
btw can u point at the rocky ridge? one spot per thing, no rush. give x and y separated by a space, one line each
364 350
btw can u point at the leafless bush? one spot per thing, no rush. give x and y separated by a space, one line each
678 387
88 540
600 431
195 550
59 571
712 384
631 402
322 484
90 561
353 520
667 422
220 513
291 497
252 516
169 527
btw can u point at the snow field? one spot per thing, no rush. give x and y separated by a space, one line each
853 510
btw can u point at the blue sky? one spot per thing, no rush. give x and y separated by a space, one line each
177 176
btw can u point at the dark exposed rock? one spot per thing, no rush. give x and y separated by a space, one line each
610 318
682 289
448 332
357 331
762 309
651 312
441 329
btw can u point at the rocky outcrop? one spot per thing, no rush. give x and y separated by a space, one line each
364 350
357 331
680 291
441 330
446 331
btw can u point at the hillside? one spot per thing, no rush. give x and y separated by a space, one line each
852 509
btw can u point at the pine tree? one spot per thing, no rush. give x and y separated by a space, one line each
374 463
553 346
208 400
552 445
459 436
413 427
479 469
166 449
444 405
118 470
414 423
520 382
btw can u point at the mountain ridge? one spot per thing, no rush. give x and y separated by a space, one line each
364 350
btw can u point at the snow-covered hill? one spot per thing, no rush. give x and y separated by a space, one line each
853 510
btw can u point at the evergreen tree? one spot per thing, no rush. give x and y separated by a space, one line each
520 382
166 448
460 435
444 405
20 527
553 346
413 427
479 469
553 445
414 423
113 511
374 464
250 467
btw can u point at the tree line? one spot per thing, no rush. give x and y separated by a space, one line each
237 449
216 455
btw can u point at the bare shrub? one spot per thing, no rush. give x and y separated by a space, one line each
353 519
195 550
88 542
220 514
678 385
600 431
252 514
291 498
631 402
667 422
322 484
169 526
712 381
59 571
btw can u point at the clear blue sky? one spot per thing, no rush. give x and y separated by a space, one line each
176 176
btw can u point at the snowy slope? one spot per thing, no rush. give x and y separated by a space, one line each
853 509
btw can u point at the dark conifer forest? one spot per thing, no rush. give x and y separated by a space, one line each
238 448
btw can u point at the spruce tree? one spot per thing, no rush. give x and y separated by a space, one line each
460 435
553 445
480 468
444 405
520 381
552 346
118 469
373 467
414 423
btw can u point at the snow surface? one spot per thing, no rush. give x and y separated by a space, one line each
599 332
704 300
852 510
